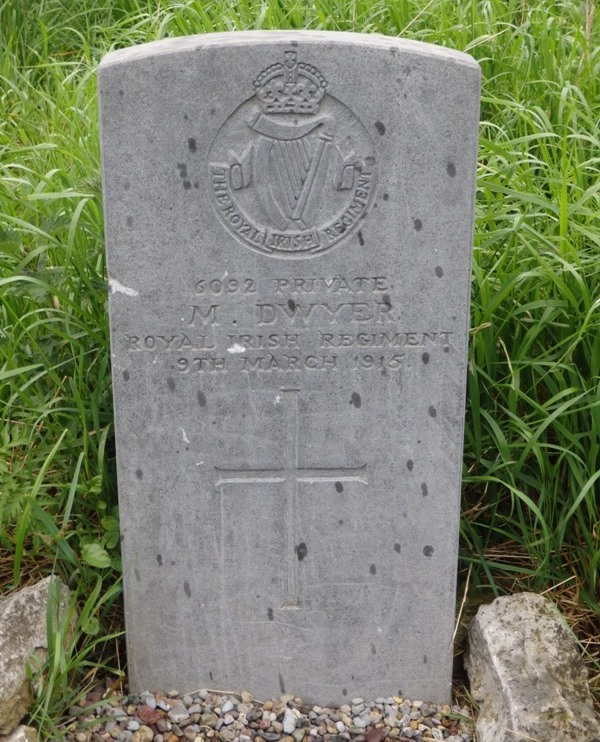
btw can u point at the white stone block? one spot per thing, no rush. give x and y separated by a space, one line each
23 642
21 734
527 674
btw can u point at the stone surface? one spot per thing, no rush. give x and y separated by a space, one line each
21 734
289 230
22 642
527 675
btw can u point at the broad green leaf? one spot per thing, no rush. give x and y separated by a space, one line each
95 555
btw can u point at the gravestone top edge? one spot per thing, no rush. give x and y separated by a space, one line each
250 38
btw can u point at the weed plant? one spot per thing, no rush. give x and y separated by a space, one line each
532 444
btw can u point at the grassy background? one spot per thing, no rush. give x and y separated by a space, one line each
532 447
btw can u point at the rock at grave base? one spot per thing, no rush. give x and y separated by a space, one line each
21 734
527 675
22 640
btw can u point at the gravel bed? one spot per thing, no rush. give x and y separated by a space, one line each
216 716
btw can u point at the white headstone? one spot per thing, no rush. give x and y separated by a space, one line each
289 225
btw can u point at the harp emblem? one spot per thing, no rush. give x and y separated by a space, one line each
283 180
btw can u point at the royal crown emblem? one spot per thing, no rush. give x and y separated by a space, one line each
290 87
292 169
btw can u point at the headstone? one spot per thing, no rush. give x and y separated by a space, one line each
289 225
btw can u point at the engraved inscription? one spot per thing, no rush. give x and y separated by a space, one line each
383 339
335 285
155 343
318 313
208 364
218 286
202 315
292 170
290 475
289 363
239 343
313 324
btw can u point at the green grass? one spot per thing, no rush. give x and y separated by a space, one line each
532 445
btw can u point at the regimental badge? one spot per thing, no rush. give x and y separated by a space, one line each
292 170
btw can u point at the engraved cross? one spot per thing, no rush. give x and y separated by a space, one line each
290 475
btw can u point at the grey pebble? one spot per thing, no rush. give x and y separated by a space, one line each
228 734
149 700
199 714
115 711
289 721
178 713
